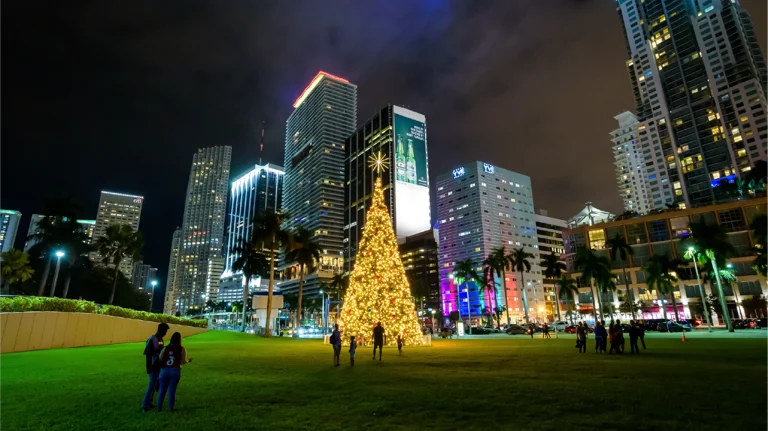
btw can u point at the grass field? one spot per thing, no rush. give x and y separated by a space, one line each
244 382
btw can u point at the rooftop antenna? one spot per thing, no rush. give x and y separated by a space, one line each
261 144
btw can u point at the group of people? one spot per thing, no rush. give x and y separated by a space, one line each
379 338
163 365
614 334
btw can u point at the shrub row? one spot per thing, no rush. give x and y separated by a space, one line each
39 303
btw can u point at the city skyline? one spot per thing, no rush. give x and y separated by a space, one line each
161 183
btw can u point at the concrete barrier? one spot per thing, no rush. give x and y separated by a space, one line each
38 330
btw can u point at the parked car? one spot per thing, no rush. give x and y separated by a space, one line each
287 332
677 327
492 330
516 329
478 331
571 329
559 326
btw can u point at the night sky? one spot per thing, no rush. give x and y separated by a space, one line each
117 96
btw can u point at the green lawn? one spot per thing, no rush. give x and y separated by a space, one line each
243 382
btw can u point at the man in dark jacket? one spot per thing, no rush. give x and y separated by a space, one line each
152 350
641 332
379 338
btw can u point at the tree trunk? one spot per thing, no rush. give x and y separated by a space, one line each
594 304
674 304
301 292
114 284
630 293
44 278
66 285
245 296
504 286
525 297
723 303
557 306
267 330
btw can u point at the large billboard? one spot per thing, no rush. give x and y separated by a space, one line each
411 173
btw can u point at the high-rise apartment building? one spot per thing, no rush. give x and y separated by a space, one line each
9 226
481 207
549 232
631 175
698 78
87 226
323 117
258 190
419 255
169 303
202 231
121 209
143 275
400 136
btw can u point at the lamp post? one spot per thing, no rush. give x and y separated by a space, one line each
433 320
324 316
739 311
692 254
152 293
59 255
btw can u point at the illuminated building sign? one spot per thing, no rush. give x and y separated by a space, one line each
488 168
458 172
412 209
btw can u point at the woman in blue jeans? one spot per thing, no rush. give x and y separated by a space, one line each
171 360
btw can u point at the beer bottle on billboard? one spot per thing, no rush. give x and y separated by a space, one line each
400 160
410 164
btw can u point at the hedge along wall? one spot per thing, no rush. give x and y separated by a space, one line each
37 330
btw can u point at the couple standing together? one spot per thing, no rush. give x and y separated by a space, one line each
163 364
379 337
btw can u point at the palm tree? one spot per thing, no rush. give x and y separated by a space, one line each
498 263
58 230
593 268
713 245
622 251
119 242
518 261
15 268
487 284
338 284
607 283
759 228
268 231
305 252
662 277
252 262
419 290
553 270
568 290
463 273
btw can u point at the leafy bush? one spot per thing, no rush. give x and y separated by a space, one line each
38 303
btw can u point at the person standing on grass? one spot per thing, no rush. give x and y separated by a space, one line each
603 346
620 334
399 345
634 334
531 328
335 342
581 334
171 360
352 349
599 336
545 331
378 339
641 332
152 350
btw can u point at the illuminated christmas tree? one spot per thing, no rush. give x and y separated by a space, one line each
378 289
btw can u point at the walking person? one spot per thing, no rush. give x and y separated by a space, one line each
545 333
152 350
634 334
399 345
531 329
620 334
352 349
335 342
604 344
641 332
171 360
581 333
378 339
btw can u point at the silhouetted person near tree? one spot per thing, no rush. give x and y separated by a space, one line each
634 334
641 332
335 342
581 335
152 350
379 337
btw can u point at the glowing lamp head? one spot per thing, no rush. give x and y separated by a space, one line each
321 291
691 249
59 253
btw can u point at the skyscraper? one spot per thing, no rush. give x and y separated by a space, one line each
481 207
88 227
631 176
202 231
400 136
698 78
169 303
121 209
323 117
259 189
143 275
549 233
9 225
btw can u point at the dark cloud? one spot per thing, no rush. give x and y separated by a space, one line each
118 95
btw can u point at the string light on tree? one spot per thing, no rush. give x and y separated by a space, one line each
378 289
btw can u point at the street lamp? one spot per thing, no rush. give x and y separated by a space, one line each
692 254
59 255
152 293
322 295
433 320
